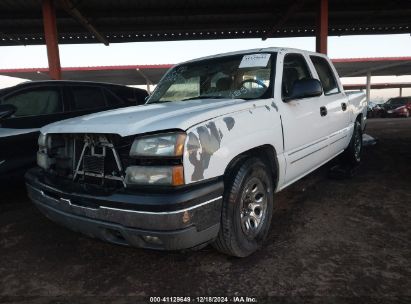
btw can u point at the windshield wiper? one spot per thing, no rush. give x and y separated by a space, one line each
206 97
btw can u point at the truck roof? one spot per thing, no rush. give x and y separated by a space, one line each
259 50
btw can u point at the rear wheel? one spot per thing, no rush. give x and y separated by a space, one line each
247 209
352 154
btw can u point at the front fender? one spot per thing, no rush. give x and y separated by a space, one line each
211 145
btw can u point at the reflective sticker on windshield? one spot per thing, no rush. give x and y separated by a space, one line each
254 60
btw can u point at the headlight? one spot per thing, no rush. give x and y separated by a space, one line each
155 175
167 144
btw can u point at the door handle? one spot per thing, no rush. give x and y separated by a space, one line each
323 111
343 106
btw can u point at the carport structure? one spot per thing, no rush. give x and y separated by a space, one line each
53 22
151 74
383 66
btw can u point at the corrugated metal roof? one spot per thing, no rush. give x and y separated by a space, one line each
154 20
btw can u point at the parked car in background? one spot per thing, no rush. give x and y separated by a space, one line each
201 161
375 110
27 107
398 107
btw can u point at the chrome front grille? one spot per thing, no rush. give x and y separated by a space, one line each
94 164
89 158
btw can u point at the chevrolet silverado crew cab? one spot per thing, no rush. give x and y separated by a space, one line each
201 161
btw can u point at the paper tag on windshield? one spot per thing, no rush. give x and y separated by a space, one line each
254 60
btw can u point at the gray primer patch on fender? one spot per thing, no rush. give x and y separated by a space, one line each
274 106
201 148
221 133
229 122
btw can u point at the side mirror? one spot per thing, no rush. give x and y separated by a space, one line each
7 110
305 88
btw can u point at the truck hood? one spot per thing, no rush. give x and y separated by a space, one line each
150 117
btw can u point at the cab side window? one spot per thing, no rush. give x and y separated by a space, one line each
326 75
295 68
34 102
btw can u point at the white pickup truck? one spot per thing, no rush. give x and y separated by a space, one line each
201 161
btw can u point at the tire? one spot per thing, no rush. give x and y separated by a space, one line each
241 210
352 155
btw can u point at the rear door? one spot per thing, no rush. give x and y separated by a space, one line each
305 129
336 103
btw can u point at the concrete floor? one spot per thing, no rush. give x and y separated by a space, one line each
331 241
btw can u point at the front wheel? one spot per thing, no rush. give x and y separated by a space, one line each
247 209
353 152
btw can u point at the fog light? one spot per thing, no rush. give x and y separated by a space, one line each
152 239
155 175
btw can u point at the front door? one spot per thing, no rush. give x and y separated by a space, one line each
305 124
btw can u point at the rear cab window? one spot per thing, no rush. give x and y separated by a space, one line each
112 99
326 75
86 97
124 94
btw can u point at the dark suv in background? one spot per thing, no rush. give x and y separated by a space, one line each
27 107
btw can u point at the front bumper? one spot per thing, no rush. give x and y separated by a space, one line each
174 220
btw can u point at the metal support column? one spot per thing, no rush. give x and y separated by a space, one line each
322 27
368 88
148 81
50 34
400 91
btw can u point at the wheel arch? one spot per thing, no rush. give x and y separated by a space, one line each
266 153
362 120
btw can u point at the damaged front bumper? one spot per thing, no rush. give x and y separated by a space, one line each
173 220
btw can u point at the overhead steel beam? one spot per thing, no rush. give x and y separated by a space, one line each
71 9
50 34
378 86
374 69
322 27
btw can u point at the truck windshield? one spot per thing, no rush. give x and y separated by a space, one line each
239 76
